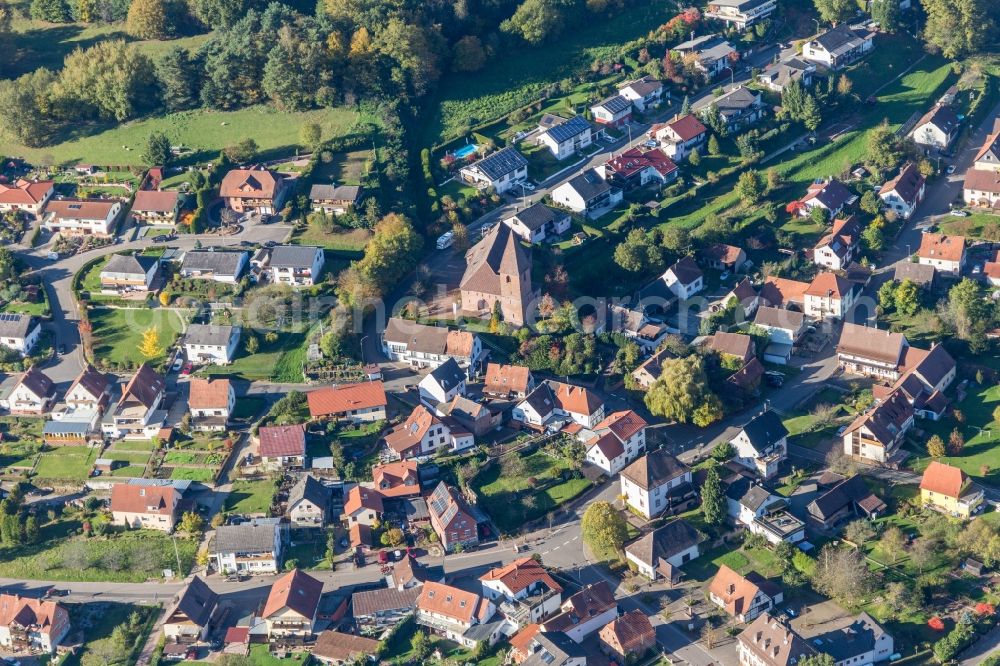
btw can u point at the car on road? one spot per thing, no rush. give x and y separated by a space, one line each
62 349
178 363
950 170
53 256
959 213
774 378
159 239
485 229
652 143
977 269
528 186
270 244
55 592
187 369
445 240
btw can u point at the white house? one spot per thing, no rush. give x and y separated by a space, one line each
860 643
145 504
219 266
614 111
291 608
583 613
937 128
643 93
743 597
425 346
740 13
778 75
442 383
456 614
32 623
837 249
904 193
538 222
587 193
666 548
523 590
784 326
295 265
567 138
831 196
829 296
680 136
211 403
424 433
502 170
19 332
554 402
190 618
684 278
616 441
25 195
655 483
30 393
762 444
125 273
81 217
710 54
760 511
253 547
876 435
309 502
211 343
839 46
945 253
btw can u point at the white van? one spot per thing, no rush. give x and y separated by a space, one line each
445 240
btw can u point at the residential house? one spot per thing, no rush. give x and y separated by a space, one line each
26 195
724 257
616 441
502 170
254 546
839 46
680 136
846 500
628 636
864 350
784 328
760 511
216 265
333 199
649 371
442 383
291 607
211 403
658 554
125 273
557 402
762 444
982 180
309 503
746 296
636 326
684 278
615 111
32 624
470 415
740 14
587 193
876 435
81 217
768 642
363 402
31 392
282 447
780 74
739 108
736 346
582 614
862 642
19 332
156 208
565 139
452 518
831 196
498 270
508 381
920 274
784 293
710 54
83 405
937 128
211 344
524 591
550 648
837 249
904 193
141 506
335 648
376 610
743 597
457 615
830 296
397 479
927 374
950 490
945 253
636 168
538 222
644 93
295 265
190 619
425 346
424 434
139 412
657 483
256 190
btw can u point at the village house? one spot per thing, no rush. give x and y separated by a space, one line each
659 553
256 190
982 180
556 401
743 597
156 208
216 265
19 332
922 275
937 128
927 375
335 648
457 615
876 435
582 614
684 278
498 270
566 138
26 195
615 111
657 483
82 406
737 346
27 623
454 521
724 257
334 199
762 444
868 351
125 273
784 328
644 93
628 636
425 346
636 168
211 343
376 610
615 442
471 415
784 293
839 46
502 171
680 136
524 591
397 479
636 326
548 648
587 193
777 75
768 642
291 606
424 434
760 511
254 546
739 108
295 265
442 383
950 490
830 196
190 619
740 14
945 253
904 193
711 54
81 217
538 222
649 370
139 412
830 296
282 447
839 248
142 506
507 381
844 500
363 402
211 403
864 641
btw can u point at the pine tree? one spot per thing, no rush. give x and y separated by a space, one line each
150 345
686 106
713 146
712 501
811 114
496 317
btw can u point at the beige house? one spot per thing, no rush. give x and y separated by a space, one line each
151 507
290 610
309 503
191 617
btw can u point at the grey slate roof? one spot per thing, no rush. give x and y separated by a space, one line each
664 542
589 185
15 325
854 640
536 216
208 334
370 602
841 39
755 497
501 163
293 256
554 648
220 263
566 131
320 192
255 536
686 271
198 602
130 264
448 374
764 430
308 488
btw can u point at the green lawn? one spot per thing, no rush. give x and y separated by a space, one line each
118 332
202 474
344 168
22 426
133 445
250 497
39 309
137 458
129 471
19 455
66 464
260 655
740 560
260 366
973 226
349 241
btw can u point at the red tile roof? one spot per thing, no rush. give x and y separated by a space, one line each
25 192
334 400
943 479
250 183
297 591
360 497
634 160
576 399
829 284
210 393
521 574
80 209
687 127
50 616
391 478
286 440
449 601
155 500
632 633
941 246
155 201
623 424
505 379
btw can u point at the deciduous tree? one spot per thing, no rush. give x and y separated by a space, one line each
935 447
149 19
957 27
835 11
150 346
468 54
603 528
750 187
681 388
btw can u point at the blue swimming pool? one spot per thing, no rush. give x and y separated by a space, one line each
465 151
